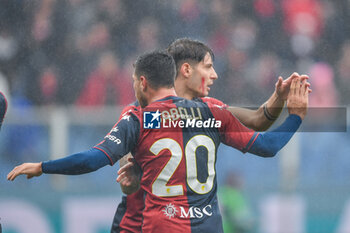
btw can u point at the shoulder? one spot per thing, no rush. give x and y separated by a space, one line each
133 108
213 101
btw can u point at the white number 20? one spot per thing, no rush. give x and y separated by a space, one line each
160 187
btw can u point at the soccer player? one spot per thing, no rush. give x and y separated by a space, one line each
3 108
178 198
194 76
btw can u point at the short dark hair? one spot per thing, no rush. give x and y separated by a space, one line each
158 67
188 50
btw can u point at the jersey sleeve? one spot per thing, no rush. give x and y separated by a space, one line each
128 109
213 101
122 138
232 132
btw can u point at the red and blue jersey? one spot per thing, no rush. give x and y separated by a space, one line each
128 216
175 141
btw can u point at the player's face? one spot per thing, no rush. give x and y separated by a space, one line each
202 77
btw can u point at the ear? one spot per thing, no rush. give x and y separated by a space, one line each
143 83
186 70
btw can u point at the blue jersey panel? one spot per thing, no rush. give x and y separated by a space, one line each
122 138
201 145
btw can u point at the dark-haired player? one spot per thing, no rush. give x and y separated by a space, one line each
177 197
195 74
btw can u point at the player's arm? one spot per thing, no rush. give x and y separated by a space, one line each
262 118
269 143
107 152
76 164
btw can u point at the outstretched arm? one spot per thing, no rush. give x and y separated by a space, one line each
110 150
262 118
269 143
80 163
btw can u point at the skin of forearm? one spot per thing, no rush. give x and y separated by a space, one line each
255 119
248 117
275 105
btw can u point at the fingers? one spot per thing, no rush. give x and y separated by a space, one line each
125 167
121 176
123 179
29 169
14 173
303 88
290 78
279 82
125 183
304 78
307 90
293 86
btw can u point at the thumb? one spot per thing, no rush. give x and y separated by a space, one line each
279 81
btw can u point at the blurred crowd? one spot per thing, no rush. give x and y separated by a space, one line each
80 52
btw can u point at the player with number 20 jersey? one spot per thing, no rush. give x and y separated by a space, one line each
128 216
178 167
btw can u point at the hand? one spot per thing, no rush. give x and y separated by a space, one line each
298 98
282 87
29 169
129 177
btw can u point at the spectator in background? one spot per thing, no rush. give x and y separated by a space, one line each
106 85
343 66
303 17
71 34
42 24
233 77
192 17
322 79
148 35
303 21
324 99
117 17
261 74
48 85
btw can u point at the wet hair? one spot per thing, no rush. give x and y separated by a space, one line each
188 50
158 67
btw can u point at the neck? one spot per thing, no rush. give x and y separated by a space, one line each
160 94
182 90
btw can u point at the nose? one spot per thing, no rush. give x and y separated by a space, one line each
214 75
